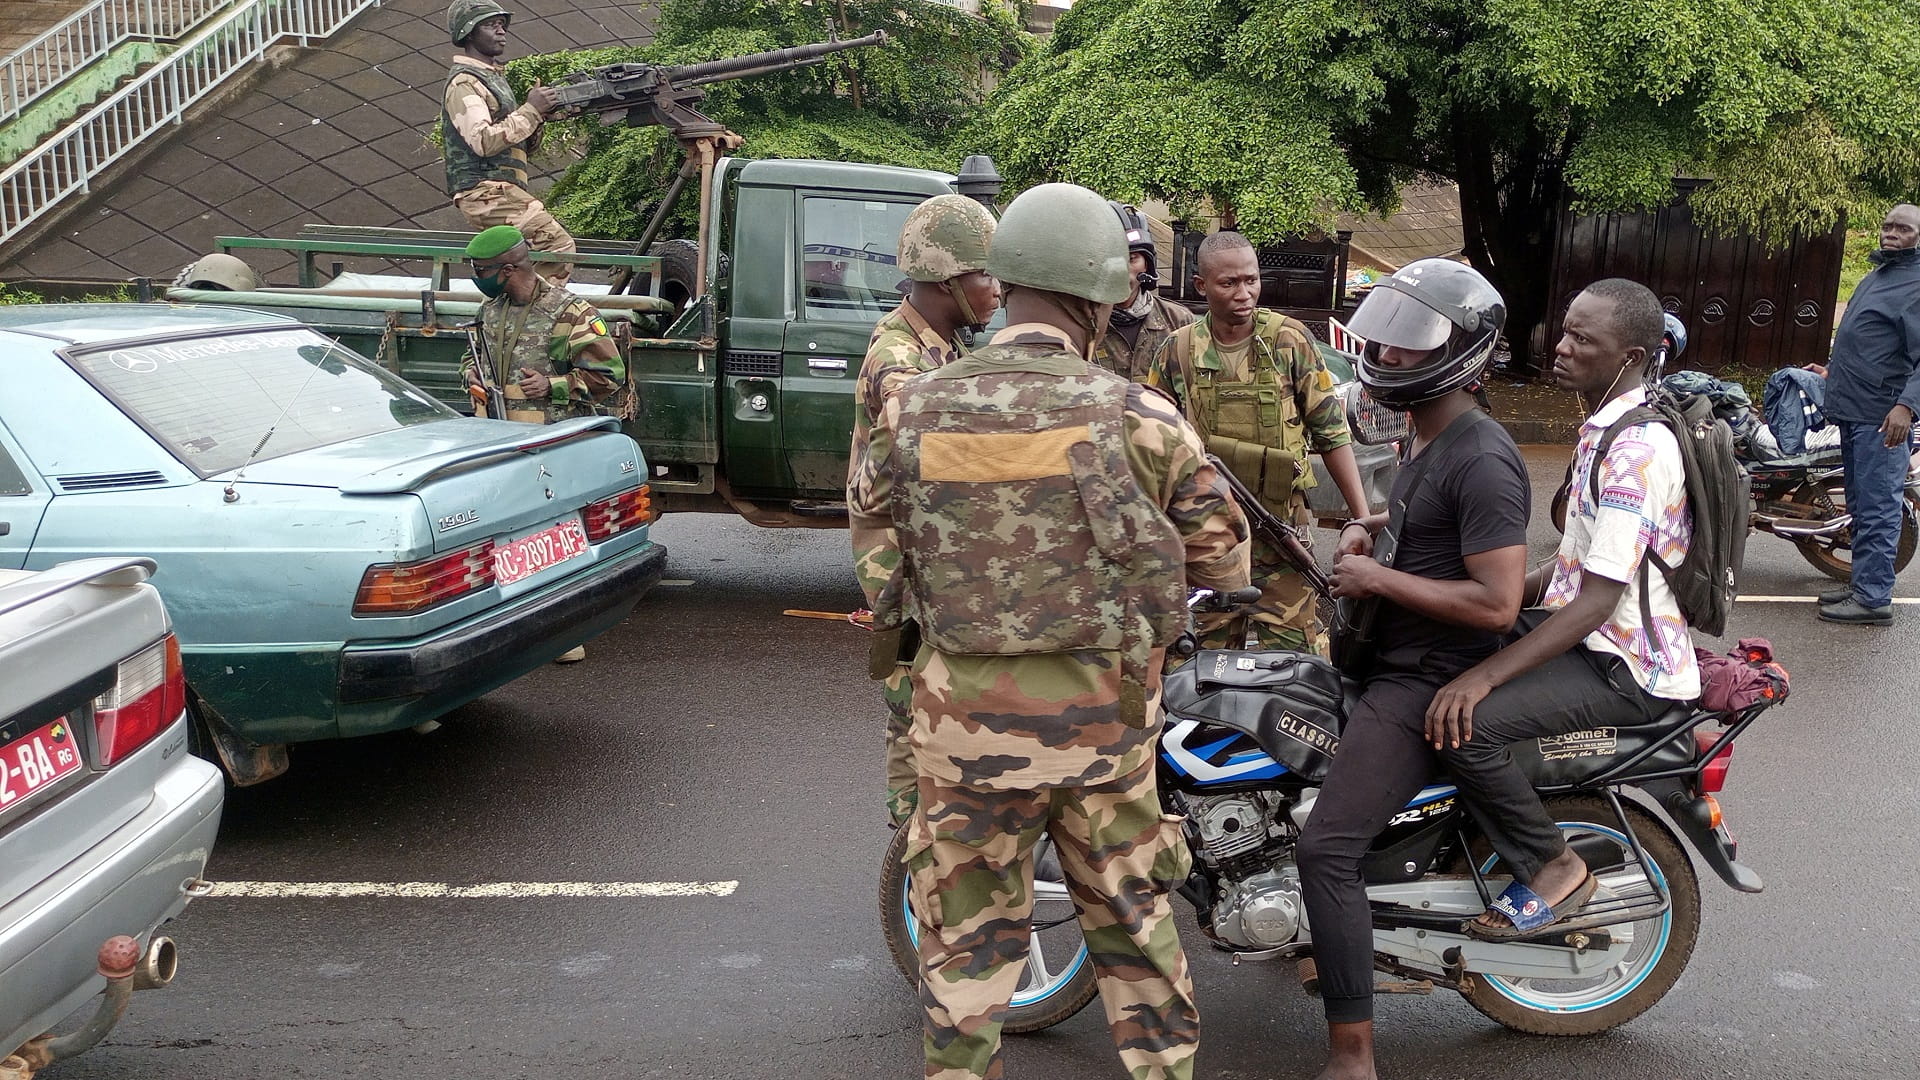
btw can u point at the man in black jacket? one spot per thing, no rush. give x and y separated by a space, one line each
1873 392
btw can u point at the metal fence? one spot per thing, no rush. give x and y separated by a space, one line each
69 160
88 35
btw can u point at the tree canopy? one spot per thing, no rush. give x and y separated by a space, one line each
1288 111
904 103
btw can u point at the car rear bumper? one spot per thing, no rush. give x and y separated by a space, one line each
398 684
128 883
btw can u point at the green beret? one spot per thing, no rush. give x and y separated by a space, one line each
495 242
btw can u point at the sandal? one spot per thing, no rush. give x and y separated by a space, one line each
1527 913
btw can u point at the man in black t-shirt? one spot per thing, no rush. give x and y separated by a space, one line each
1453 560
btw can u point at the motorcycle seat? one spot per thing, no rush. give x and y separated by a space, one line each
1579 756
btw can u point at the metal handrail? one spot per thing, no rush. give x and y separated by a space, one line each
87 36
69 160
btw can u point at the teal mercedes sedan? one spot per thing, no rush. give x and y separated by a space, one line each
341 553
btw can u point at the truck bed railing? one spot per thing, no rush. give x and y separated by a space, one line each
443 250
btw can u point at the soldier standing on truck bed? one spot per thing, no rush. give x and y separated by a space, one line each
546 349
488 134
1041 519
943 251
1253 384
1138 327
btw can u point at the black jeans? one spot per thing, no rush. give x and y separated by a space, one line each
1578 690
1384 759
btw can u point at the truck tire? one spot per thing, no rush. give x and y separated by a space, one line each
678 259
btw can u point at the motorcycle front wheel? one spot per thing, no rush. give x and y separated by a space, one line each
1833 555
1659 946
1058 980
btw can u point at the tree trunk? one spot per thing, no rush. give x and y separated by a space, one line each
1510 222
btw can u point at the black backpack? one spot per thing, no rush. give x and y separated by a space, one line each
1718 494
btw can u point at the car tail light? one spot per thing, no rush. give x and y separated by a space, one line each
624 511
1713 775
149 692
404 588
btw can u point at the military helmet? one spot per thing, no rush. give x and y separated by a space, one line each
219 271
1065 239
464 15
944 237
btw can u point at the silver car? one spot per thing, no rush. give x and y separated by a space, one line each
106 819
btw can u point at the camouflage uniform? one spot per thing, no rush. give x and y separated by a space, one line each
545 335
1132 361
488 135
993 496
1287 404
903 345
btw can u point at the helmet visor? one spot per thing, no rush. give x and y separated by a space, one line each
1391 317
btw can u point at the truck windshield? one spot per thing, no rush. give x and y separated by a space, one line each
849 249
209 399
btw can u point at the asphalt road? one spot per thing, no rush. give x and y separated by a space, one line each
710 739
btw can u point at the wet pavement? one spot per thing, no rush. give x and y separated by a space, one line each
710 740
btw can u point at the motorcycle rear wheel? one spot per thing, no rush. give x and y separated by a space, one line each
1050 991
1661 945
1833 555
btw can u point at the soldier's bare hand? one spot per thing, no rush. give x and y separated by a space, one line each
533 384
542 100
1356 577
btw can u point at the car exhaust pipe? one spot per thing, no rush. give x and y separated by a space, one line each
120 962
158 965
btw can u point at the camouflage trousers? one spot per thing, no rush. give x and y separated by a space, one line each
1287 614
970 864
902 779
496 202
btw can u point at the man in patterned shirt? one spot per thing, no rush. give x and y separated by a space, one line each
943 252
487 134
547 349
1590 660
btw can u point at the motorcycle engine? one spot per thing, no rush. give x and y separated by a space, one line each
1245 839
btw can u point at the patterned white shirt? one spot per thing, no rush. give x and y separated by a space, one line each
1643 505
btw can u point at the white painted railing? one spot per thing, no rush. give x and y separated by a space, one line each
88 35
68 161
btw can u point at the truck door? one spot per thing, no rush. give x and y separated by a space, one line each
848 280
23 502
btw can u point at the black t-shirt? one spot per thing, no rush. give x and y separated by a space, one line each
1474 497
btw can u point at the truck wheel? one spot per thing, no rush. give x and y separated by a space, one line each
677 262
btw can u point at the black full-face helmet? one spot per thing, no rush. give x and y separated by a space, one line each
1436 306
1139 239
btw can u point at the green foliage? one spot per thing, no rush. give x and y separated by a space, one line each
14 294
916 95
1854 265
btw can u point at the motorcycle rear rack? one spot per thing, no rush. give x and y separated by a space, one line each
1632 906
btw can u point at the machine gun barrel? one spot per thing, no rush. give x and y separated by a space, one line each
739 67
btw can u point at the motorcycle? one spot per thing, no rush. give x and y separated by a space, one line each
1225 771
1803 501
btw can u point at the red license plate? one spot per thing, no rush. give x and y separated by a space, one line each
36 760
529 555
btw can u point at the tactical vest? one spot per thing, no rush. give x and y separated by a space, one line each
1238 420
465 167
1022 527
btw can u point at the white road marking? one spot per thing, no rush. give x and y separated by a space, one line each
674 581
1810 600
497 890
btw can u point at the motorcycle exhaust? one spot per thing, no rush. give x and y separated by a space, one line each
1798 528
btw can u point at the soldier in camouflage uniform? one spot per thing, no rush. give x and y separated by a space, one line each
1139 326
488 135
1041 520
943 252
1253 384
550 351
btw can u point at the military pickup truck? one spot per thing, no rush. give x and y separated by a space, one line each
744 375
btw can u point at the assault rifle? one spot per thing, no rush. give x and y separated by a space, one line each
1282 535
669 96
483 366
